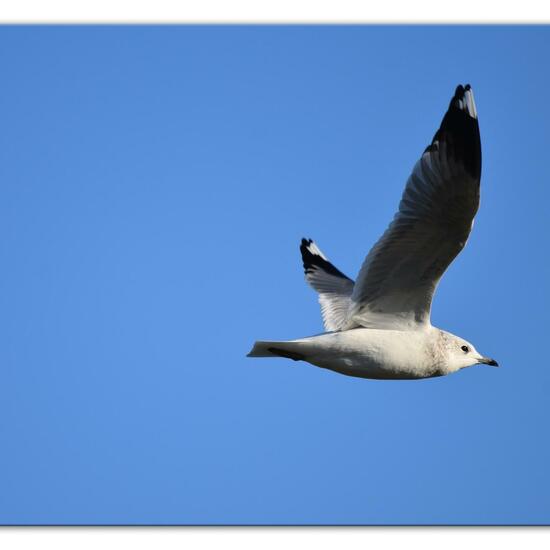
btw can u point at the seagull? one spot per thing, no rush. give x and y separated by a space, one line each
379 325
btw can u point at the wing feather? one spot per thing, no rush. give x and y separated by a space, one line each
333 286
398 278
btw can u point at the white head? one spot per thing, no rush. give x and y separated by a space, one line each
459 353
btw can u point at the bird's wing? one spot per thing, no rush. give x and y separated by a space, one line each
399 276
333 286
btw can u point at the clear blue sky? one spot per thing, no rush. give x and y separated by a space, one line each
155 184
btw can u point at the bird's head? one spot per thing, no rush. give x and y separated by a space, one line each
460 354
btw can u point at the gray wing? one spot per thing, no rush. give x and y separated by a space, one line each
398 278
333 286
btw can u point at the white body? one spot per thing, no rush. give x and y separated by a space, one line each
373 353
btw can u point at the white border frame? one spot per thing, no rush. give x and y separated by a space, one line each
281 11
294 12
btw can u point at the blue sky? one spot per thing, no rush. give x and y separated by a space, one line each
155 184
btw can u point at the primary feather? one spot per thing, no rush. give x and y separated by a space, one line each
333 286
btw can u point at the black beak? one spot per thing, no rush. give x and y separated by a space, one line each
488 361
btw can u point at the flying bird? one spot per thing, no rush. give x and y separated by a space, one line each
379 325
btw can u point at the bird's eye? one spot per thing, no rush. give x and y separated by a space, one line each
465 349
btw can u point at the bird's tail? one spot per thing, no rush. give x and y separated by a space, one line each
276 349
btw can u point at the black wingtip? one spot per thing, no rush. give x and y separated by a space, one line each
461 90
309 258
460 131
313 258
304 250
